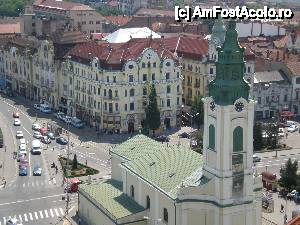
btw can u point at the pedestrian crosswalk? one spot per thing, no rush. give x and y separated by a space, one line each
35 215
30 184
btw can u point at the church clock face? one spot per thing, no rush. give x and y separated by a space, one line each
212 106
239 106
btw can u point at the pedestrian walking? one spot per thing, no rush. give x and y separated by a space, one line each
86 162
56 169
281 208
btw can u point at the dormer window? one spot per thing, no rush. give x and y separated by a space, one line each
168 63
130 66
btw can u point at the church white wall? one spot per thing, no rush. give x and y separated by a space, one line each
116 172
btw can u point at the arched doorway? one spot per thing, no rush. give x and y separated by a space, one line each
130 126
167 123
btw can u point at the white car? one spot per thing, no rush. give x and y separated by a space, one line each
67 119
17 122
36 106
13 221
36 126
37 135
22 149
22 141
19 134
292 128
280 132
256 158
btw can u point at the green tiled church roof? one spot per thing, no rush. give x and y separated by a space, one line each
164 167
110 196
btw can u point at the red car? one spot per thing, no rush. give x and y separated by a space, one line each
43 131
16 114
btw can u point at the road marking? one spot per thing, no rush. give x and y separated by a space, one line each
41 214
46 213
56 212
33 199
36 215
30 216
25 217
51 212
4 220
0 222
61 211
23 185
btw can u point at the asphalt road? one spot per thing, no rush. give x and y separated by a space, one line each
31 199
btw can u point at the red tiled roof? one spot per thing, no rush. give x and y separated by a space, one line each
280 43
10 28
295 220
98 36
115 55
60 5
294 67
187 47
68 37
119 20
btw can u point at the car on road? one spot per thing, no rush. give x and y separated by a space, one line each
36 126
17 122
59 115
62 117
45 140
36 147
37 135
61 140
51 135
37 170
20 157
16 114
292 128
77 123
256 158
22 141
43 131
162 138
184 135
23 171
36 106
194 144
13 221
19 134
67 119
45 108
22 149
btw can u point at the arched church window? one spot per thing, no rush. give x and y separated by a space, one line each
211 141
238 139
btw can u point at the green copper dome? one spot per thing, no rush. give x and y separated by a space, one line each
218 32
229 84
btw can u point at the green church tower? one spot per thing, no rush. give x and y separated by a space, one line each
229 84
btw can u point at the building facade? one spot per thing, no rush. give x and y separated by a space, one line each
293 42
44 17
272 93
111 83
152 183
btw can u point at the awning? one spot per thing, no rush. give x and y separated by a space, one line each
286 114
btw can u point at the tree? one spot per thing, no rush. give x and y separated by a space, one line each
152 111
74 163
271 131
197 107
258 142
288 175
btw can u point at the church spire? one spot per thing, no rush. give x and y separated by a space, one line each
218 32
229 84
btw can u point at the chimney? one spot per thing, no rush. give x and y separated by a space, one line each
277 55
268 53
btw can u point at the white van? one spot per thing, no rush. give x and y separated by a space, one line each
45 108
36 147
22 141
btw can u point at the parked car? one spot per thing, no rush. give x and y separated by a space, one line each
292 128
61 140
45 140
36 126
17 122
36 106
22 171
59 115
256 158
43 131
45 108
37 135
16 114
51 135
77 123
37 170
194 144
162 138
184 135
62 117
67 119
20 156
290 123
19 134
